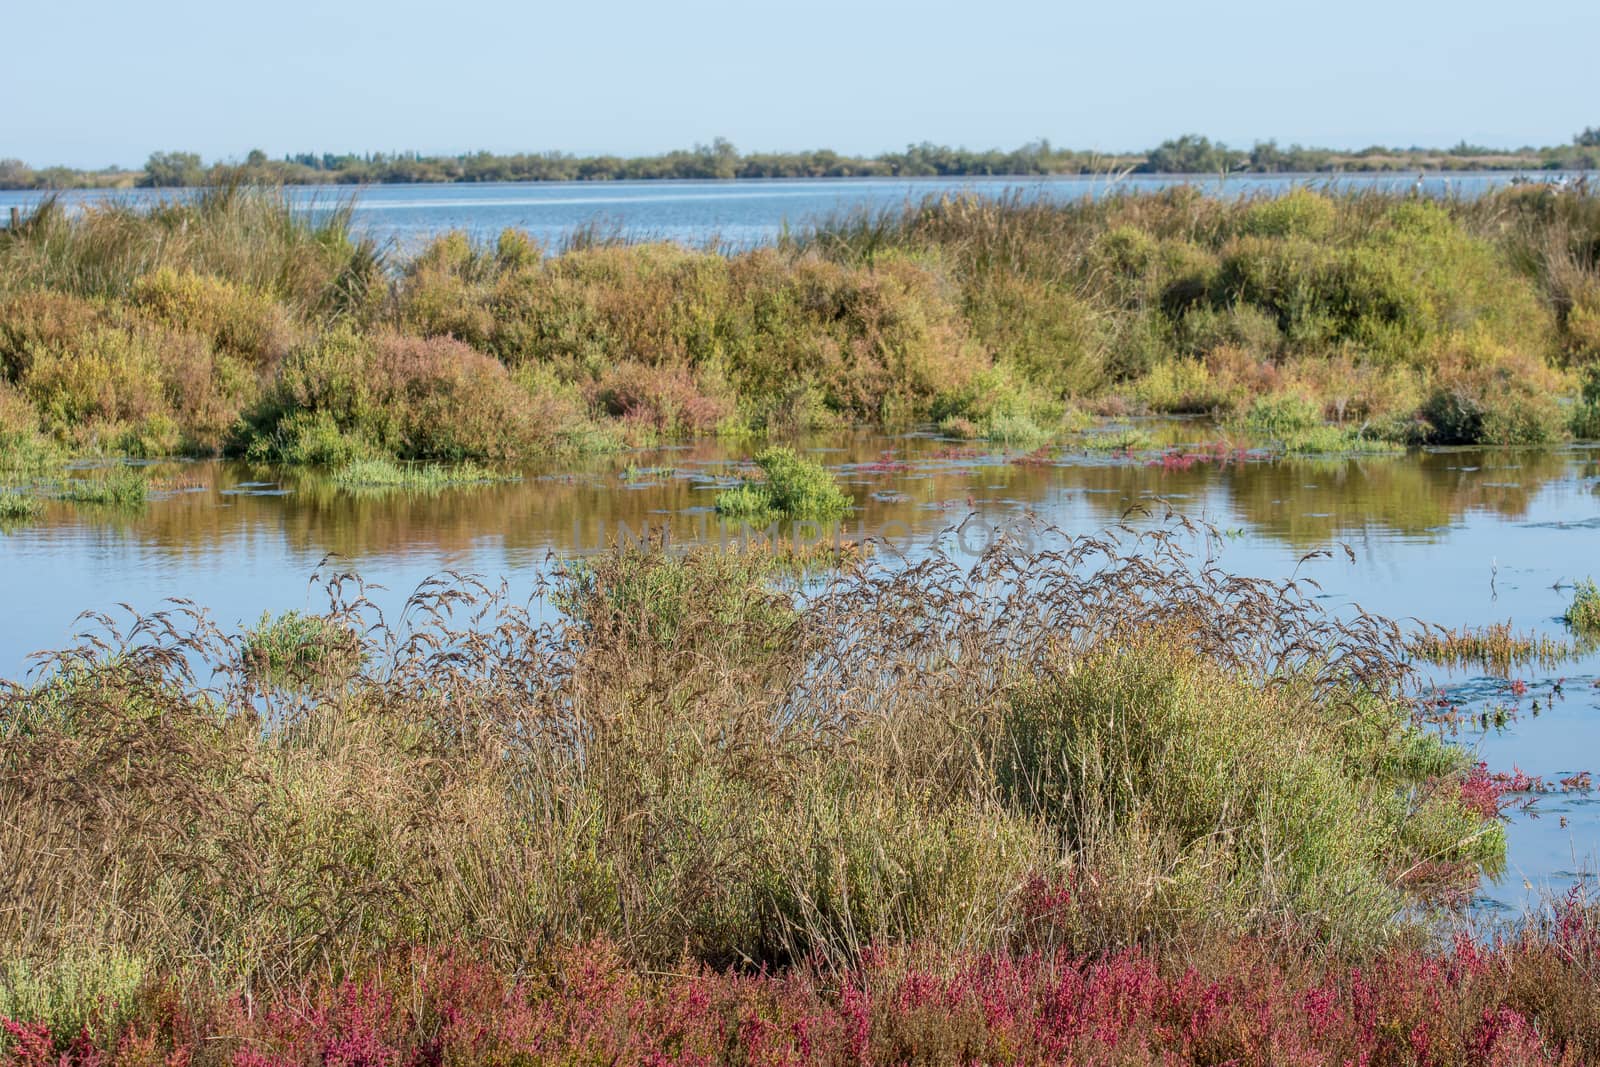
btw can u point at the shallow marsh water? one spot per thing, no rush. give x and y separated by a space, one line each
1455 537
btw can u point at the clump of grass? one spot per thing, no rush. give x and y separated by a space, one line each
1017 430
791 487
249 236
1334 441
378 475
1495 648
701 598
296 648
1583 614
1280 417
1124 751
18 507
1131 439
121 486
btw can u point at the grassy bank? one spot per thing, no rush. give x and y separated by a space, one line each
1126 754
235 323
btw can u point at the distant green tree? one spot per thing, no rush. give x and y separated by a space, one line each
168 170
256 158
1193 154
1589 138
15 174
1267 156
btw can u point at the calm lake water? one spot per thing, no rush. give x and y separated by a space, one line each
1455 537
734 213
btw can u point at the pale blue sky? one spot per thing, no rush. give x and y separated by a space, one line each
91 83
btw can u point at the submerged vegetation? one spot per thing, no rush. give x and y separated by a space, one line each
233 322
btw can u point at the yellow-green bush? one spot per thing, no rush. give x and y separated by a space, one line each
348 394
246 324
105 378
1298 213
36 319
1049 334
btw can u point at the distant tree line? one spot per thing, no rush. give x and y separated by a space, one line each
1189 154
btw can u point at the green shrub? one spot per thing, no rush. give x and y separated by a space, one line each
106 376
1583 614
43 319
1000 404
346 396
1413 282
664 400
295 648
22 448
1297 213
437 301
1252 804
1048 334
1240 326
1281 417
1463 415
248 325
1585 421
791 487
